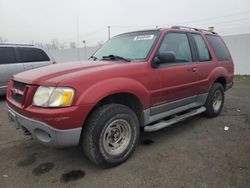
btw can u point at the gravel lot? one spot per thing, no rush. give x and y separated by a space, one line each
195 153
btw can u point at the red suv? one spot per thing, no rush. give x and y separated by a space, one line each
148 79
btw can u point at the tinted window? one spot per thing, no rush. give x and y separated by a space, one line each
219 47
33 55
177 43
7 55
202 48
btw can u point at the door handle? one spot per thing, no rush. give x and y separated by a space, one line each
192 69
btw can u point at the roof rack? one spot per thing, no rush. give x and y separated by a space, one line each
192 28
16 44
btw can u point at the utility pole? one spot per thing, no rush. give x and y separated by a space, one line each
85 49
78 42
108 32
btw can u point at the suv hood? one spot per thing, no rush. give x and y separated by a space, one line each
53 74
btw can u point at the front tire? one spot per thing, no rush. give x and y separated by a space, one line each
110 135
215 100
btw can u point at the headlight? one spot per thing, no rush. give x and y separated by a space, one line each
42 96
53 96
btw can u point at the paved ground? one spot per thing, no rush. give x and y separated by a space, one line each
195 153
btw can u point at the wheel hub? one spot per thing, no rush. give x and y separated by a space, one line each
217 100
116 137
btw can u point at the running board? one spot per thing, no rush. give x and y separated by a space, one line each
163 124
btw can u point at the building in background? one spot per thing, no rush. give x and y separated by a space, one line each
239 47
71 54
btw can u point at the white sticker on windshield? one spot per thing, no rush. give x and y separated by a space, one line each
144 37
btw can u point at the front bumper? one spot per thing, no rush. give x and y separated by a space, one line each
45 133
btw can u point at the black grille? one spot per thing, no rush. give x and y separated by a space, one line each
18 85
18 91
18 98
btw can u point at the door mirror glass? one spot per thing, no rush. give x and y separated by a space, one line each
167 57
163 57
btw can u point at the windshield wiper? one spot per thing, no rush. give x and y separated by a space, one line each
93 57
115 57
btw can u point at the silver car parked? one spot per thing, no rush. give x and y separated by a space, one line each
17 58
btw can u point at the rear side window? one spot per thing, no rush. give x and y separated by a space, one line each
33 55
7 55
202 48
177 43
219 48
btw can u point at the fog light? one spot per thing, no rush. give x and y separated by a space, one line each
42 136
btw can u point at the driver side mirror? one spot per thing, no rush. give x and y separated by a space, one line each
164 57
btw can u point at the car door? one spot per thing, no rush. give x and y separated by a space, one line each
177 81
9 65
33 57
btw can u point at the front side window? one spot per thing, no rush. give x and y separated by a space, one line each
131 46
178 44
219 48
7 55
202 48
33 55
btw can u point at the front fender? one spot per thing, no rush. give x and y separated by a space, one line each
105 88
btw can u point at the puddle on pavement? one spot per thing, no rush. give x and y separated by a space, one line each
72 176
147 142
28 161
42 169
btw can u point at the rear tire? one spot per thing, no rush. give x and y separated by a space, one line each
215 100
110 135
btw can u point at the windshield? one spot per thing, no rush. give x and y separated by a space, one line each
130 46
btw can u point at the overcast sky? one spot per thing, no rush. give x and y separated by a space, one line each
22 21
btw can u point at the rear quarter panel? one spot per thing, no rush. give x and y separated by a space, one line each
210 71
